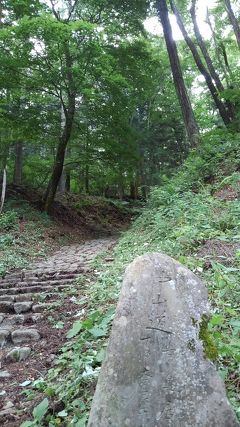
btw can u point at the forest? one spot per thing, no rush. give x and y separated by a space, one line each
119 118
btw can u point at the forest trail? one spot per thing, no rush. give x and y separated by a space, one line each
37 308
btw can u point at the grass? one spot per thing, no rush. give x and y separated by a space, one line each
22 236
180 218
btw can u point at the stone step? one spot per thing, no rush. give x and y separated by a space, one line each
25 335
9 336
38 283
54 276
15 307
9 321
33 289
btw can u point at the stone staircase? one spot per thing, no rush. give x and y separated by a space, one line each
26 297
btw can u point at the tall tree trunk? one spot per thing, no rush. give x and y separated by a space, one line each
184 101
4 185
69 113
203 70
233 20
17 176
204 50
87 178
219 51
60 156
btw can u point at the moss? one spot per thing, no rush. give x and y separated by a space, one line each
209 347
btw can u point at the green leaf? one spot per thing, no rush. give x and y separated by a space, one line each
59 325
97 332
76 328
217 320
28 424
62 414
25 383
41 410
100 355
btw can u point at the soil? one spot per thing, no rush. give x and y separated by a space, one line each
217 250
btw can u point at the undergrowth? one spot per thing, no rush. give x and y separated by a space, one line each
22 230
182 216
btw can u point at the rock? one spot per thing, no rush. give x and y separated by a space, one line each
23 297
25 335
7 298
4 335
1 318
18 354
22 307
37 317
156 373
15 319
6 307
39 308
4 374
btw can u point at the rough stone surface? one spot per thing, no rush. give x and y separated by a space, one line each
22 307
6 306
18 354
25 335
155 373
39 308
4 335
4 374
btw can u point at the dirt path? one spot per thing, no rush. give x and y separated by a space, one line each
37 307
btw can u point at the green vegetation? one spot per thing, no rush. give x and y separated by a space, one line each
96 111
180 219
22 231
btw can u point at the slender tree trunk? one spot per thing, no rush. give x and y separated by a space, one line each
60 156
69 112
4 185
218 50
87 178
233 20
204 50
203 70
185 104
17 177
210 66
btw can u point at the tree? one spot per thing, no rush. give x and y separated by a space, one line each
203 70
233 20
186 107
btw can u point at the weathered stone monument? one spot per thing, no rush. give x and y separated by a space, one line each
156 373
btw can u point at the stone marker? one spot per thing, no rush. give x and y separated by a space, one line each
156 373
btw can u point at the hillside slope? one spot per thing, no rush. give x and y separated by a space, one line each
195 218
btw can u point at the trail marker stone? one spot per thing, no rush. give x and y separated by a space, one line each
156 373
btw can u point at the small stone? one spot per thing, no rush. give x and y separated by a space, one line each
6 307
4 334
4 374
22 307
1 318
38 308
18 354
25 335
37 317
